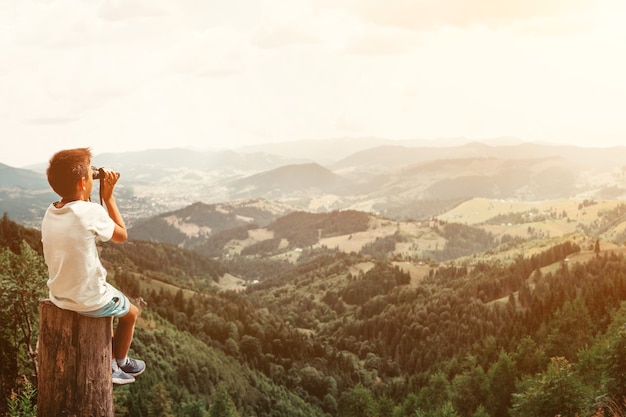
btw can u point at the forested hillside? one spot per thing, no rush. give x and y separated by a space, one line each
338 333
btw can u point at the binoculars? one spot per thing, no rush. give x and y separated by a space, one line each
98 173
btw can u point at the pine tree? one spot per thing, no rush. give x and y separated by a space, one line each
469 391
616 367
161 405
557 391
22 284
358 402
502 377
223 405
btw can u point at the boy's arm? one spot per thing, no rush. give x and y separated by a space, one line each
119 233
110 179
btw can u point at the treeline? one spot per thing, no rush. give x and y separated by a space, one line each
171 264
12 235
420 210
187 376
214 245
605 221
279 344
304 229
378 281
462 240
345 335
209 217
531 216
381 247
23 276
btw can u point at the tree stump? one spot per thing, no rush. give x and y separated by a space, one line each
74 377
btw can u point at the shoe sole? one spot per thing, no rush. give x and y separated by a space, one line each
135 373
126 381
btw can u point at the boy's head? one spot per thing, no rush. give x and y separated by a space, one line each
67 168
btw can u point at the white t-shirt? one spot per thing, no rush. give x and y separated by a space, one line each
77 279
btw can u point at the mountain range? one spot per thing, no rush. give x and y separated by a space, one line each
467 280
376 176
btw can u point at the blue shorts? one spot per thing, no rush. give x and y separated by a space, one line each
117 307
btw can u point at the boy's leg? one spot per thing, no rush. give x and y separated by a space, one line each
123 335
123 367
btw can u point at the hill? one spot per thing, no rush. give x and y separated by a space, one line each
24 194
379 179
454 179
467 227
292 182
466 286
196 223
399 156
334 331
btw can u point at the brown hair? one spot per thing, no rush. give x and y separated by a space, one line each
66 168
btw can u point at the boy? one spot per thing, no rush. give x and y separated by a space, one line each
69 232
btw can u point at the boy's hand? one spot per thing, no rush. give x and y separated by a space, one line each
107 184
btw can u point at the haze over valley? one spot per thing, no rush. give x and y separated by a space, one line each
375 175
353 278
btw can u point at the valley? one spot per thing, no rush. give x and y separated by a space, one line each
461 286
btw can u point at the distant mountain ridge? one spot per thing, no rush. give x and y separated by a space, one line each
21 178
378 178
398 156
199 221
301 179
329 151
525 179
24 194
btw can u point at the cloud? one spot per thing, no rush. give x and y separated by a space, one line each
431 15
278 37
116 10
215 53
220 72
372 44
42 121
344 124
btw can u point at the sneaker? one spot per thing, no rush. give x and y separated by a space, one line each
120 377
133 367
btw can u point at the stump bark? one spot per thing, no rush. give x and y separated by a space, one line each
74 377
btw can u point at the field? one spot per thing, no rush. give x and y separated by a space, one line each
557 220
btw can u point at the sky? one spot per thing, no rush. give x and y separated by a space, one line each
127 75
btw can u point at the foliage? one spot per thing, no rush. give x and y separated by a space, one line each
469 390
606 220
616 366
22 286
463 240
160 402
303 229
24 403
12 235
380 280
357 402
256 268
338 334
265 247
214 245
557 391
419 210
223 405
173 264
530 216
501 379
382 247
